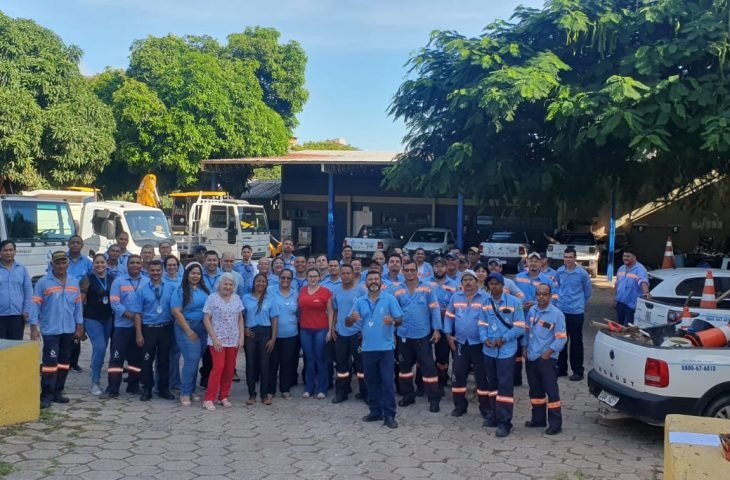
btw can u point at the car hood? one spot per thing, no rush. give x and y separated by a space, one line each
423 245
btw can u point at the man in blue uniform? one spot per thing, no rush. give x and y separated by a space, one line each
546 337
153 330
503 325
444 288
632 281
56 309
16 292
246 268
461 326
421 329
380 314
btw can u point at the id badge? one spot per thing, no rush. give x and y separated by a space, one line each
105 300
159 309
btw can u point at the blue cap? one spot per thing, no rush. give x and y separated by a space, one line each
496 276
200 249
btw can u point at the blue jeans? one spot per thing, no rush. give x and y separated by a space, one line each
175 379
624 315
379 370
191 353
98 333
314 345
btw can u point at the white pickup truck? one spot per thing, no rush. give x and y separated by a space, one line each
669 289
586 249
649 382
371 239
510 247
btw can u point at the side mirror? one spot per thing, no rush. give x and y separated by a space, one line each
232 231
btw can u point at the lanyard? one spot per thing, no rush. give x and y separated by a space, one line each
372 310
104 283
131 282
158 291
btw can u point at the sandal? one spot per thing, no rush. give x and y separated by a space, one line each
185 401
251 401
268 400
226 403
208 405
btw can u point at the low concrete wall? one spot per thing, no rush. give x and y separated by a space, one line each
19 382
692 460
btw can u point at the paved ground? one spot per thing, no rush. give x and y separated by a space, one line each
314 439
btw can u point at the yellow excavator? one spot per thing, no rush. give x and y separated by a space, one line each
147 191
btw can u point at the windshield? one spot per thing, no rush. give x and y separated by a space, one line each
507 237
428 236
41 221
368 231
253 220
577 239
147 225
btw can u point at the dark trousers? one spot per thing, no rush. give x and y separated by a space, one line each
56 362
624 315
500 388
443 352
379 379
206 366
517 375
124 347
410 351
467 356
347 355
75 353
157 345
258 361
284 363
543 380
574 327
12 327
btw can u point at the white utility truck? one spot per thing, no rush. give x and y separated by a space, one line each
219 223
37 227
586 249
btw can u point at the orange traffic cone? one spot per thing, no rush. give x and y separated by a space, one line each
686 319
708 293
668 261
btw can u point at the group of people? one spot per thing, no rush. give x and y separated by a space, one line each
396 325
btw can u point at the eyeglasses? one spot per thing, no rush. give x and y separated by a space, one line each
409 270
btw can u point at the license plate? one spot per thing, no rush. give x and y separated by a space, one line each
608 399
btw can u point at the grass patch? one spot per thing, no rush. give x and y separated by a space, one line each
577 475
6 468
51 469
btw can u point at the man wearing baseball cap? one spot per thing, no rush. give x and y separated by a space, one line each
472 257
56 309
495 265
452 267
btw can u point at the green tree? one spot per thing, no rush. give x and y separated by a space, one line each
552 110
53 130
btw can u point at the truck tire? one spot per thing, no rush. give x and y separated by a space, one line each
719 408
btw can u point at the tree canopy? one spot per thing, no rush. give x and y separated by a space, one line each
53 129
184 99
556 107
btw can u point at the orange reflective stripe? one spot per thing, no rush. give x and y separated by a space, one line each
405 375
77 299
51 290
38 300
483 393
538 401
430 379
433 305
502 399
72 288
561 335
49 369
400 292
450 315
482 324
492 393
126 288
459 305
115 370
114 298
64 366
343 375
360 375
458 390
518 323
133 369
554 404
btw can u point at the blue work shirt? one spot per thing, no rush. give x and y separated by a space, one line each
247 272
78 268
118 269
456 278
273 280
342 302
492 328
376 336
549 272
330 284
256 317
173 282
444 291
628 284
511 287
299 283
545 329
388 283
123 297
528 285
155 301
425 271
211 281
16 290
462 317
575 289
421 312
288 324
56 307
193 311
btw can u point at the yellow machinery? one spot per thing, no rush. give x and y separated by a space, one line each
147 191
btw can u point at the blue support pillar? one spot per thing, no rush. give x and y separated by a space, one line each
330 215
213 182
460 222
611 237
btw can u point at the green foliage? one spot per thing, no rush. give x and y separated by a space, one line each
185 99
6 468
53 130
323 145
267 173
606 93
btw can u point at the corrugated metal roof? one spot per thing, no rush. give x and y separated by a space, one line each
312 157
262 189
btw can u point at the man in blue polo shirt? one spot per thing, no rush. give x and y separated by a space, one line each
632 281
379 314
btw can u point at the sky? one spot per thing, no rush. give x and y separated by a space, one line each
356 49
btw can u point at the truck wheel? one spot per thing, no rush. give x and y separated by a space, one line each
720 408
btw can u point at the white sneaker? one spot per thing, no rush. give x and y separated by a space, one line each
321 396
95 389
